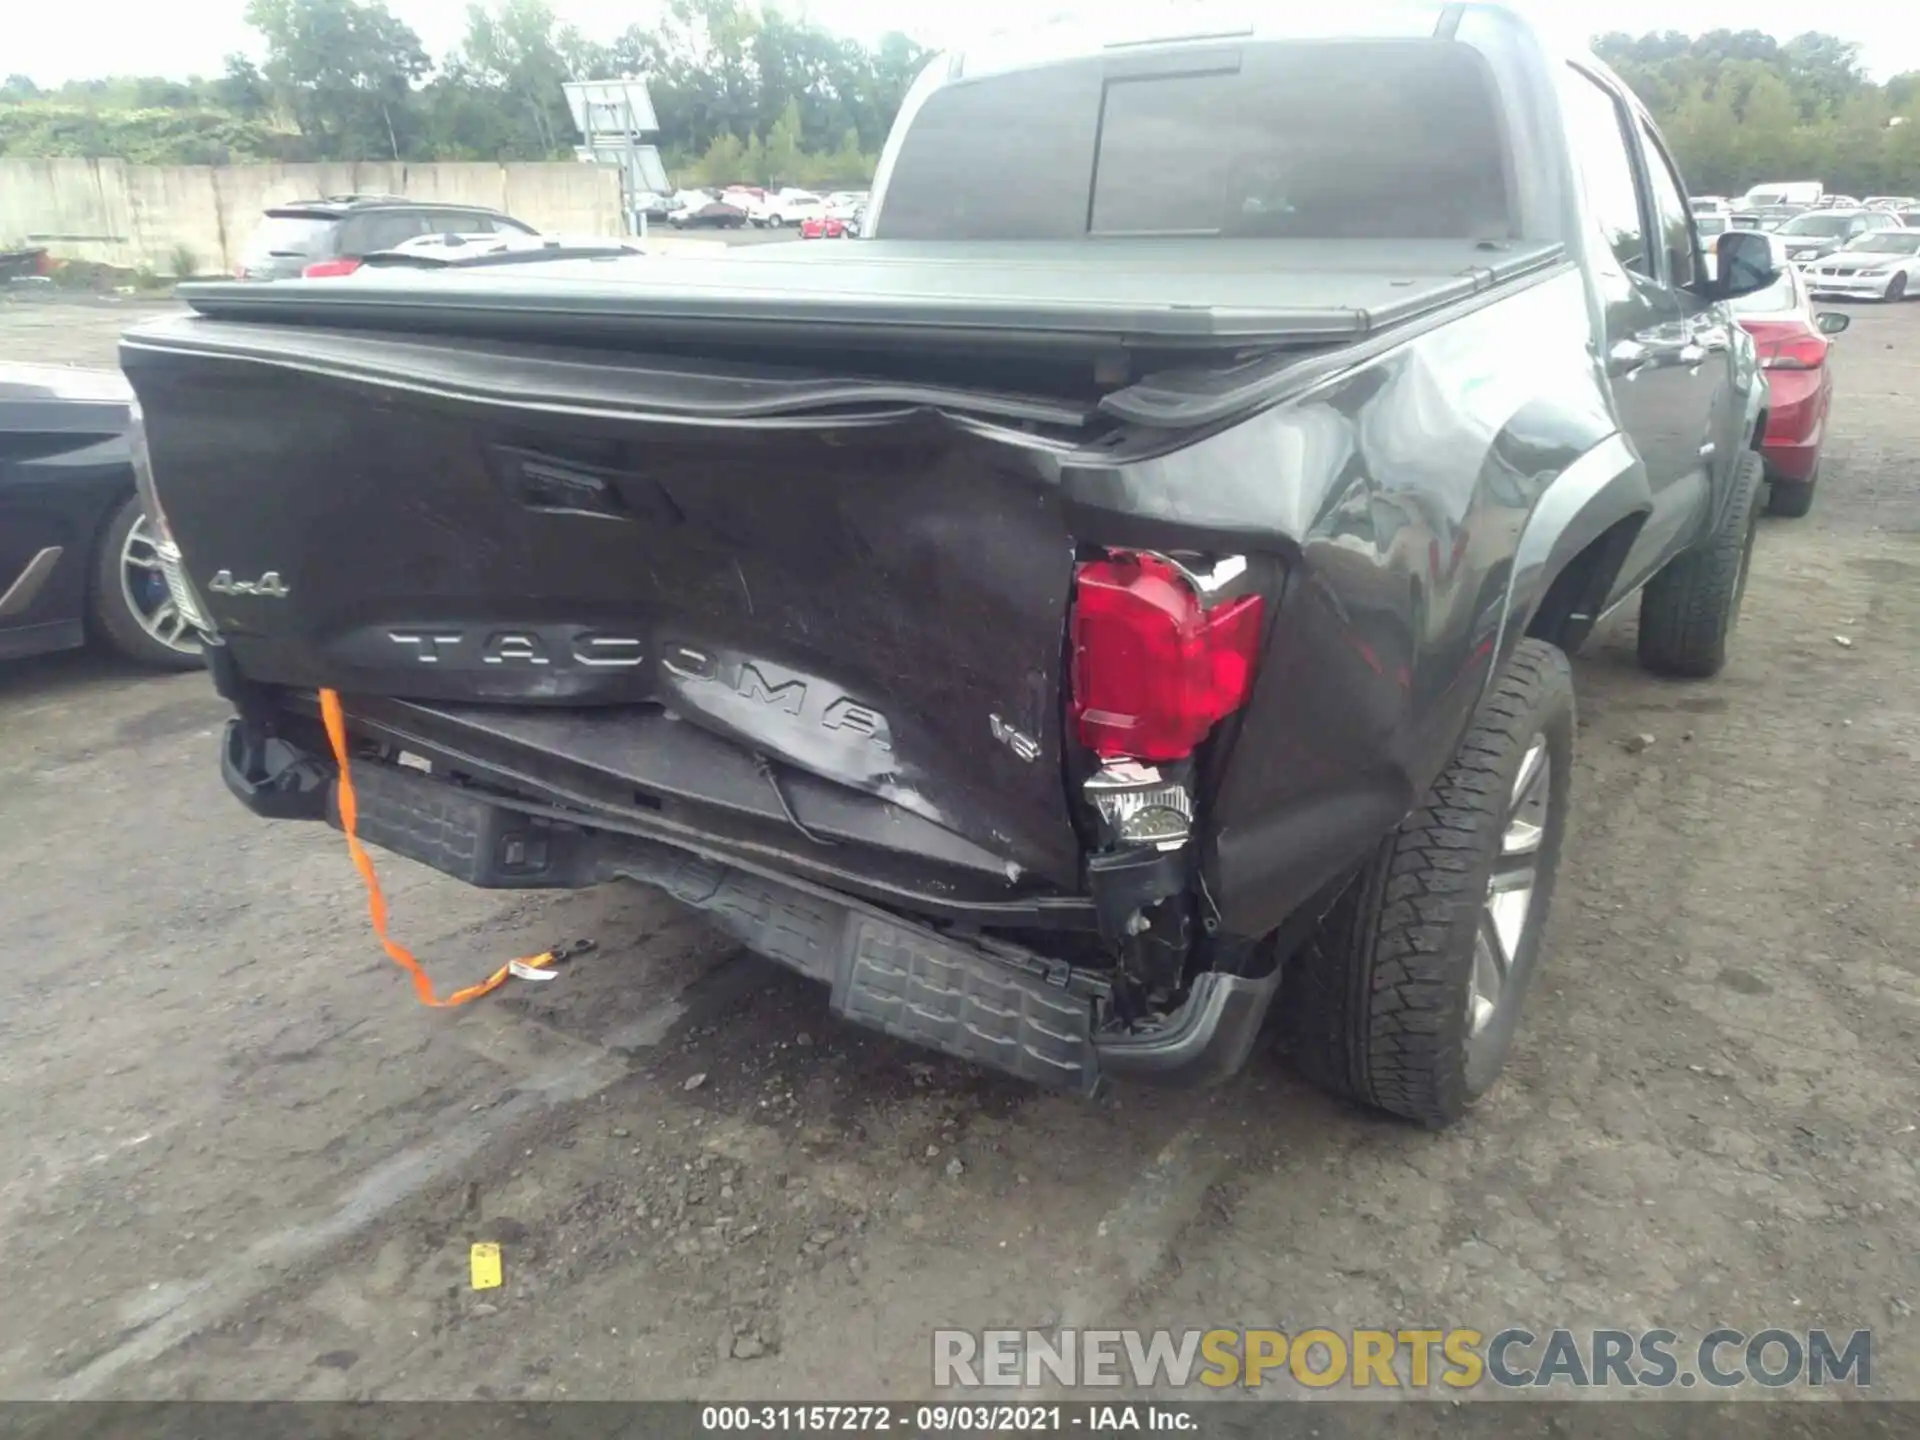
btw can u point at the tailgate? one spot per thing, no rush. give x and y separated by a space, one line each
875 592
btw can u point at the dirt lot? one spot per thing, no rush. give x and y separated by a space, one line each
245 1164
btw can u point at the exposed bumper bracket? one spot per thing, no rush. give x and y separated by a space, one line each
991 1003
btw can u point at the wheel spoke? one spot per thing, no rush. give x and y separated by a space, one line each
1533 768
163 622
1522 838
1508 879
1489 976
1506 914
141 562
1491 960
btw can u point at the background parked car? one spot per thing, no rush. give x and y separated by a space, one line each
824 227
1883 265
332 236
77 556
695 209
789 207
1765 217
1793 344
1819 233
651 207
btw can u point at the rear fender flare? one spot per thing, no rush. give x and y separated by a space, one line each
1603 487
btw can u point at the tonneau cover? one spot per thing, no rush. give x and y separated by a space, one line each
1159 292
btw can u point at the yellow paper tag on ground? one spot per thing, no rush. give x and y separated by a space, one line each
486 1265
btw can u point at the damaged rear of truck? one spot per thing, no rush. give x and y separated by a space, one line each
1059 624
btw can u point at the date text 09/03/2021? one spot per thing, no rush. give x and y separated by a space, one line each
910 1419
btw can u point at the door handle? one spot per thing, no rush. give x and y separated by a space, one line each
1628 358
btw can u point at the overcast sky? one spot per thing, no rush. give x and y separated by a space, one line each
54 42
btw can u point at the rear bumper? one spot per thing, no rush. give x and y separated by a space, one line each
1796 422
993 1003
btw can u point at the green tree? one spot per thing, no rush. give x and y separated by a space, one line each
522 55
242 89
1823 72
723 163
344 72
783 147
1703 130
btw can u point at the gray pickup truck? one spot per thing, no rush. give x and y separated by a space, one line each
1124 601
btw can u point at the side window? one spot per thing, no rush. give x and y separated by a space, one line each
1858 227
1599 140
1670 208
382 230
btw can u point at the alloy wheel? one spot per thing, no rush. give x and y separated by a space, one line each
144 589
1508 910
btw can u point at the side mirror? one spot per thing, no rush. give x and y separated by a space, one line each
1743 264
1831 322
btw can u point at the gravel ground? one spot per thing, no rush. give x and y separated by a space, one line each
245 1164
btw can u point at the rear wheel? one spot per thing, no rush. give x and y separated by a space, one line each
1688 611
1791 498
132 608
1408 994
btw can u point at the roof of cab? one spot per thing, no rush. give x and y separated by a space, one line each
1178 25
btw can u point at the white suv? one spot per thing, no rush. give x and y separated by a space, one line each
789 207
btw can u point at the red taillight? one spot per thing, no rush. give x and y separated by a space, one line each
320 269
1153 669
1788 344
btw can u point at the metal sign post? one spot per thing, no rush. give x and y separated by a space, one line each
612 116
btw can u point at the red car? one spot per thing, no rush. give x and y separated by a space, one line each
823 227
1793 344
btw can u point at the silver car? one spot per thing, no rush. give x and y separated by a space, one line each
1884 265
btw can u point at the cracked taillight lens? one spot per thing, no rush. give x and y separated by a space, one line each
1154 667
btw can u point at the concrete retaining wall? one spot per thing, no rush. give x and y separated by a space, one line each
144 215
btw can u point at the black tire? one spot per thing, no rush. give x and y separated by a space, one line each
1791 498
1897 289
111 613
1379 1002
1689 611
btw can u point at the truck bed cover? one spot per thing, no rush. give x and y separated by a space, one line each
1176 292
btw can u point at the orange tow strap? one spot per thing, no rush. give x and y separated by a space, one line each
377 902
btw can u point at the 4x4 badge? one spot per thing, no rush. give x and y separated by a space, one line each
268 587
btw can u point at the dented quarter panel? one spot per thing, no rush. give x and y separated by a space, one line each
1394 495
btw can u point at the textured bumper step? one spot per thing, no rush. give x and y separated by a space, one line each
1010 1011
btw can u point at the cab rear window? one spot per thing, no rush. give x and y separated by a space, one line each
1310 139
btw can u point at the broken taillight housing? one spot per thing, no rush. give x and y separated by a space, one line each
1154 667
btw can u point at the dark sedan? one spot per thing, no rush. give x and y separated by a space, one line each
716 214
78 559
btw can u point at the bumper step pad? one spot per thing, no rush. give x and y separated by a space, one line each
1011 1011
